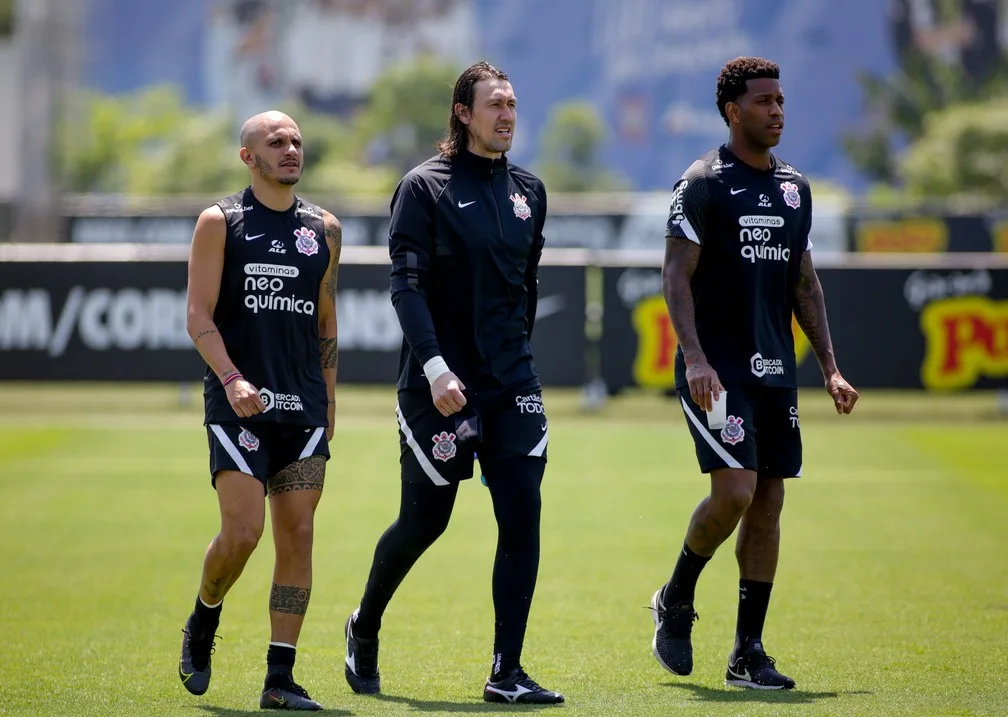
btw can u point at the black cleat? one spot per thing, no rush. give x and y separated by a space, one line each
518 688
194 664
283 693
673 626
361 662
754 669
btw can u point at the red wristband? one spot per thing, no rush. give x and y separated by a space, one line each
232 378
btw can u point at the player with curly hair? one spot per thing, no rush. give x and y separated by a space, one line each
737 266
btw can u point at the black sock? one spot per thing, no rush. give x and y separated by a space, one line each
754 599
206 619
515 491
424 510
279 660
681 587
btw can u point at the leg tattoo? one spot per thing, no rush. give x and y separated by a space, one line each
306 474
289 599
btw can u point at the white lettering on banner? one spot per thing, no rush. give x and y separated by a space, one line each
125 320
923 286
258 282
635 284
529 404
367 321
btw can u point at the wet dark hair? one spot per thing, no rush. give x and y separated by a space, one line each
455 139
731 83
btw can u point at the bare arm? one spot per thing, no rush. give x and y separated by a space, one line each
681 258
328 343
206 262
810 310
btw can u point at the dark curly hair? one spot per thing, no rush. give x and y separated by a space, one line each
455 139
731 83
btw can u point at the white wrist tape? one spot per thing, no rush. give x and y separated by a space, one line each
434 369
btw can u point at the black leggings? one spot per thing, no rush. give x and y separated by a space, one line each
424 512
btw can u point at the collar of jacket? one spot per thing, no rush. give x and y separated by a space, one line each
484 166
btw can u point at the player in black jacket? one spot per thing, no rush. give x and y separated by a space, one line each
465 241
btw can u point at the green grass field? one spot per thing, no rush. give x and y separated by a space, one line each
891 598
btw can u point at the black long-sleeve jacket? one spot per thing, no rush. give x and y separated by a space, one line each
465 241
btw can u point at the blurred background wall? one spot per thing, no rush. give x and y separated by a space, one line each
121 122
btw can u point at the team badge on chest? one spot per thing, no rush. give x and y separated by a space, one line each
791 196
733 432
444 446
521 208
306 243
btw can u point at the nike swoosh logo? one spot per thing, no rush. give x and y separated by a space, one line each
744 675
544 427
248 238
549 305
738 191
278 700
463 206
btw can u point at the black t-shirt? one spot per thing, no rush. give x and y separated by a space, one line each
753 228
267 310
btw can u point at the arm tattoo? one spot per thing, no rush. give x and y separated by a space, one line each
289 599
810 311
681 259
334 235
329 351
306 474
201 334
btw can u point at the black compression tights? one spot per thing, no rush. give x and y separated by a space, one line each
424 511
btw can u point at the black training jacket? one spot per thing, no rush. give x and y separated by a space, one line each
465 241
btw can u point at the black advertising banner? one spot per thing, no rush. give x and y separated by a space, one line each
927 233
94 320
891 328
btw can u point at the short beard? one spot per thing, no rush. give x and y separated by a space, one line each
265 171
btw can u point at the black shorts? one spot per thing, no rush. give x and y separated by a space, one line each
761 432
264 450
441 450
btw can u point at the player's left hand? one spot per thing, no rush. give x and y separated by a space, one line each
844 395
331 419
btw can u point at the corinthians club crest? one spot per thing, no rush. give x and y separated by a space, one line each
733 432
444 446
791 196
306 243
521 208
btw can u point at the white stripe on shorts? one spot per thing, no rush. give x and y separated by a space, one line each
312 442
232 449
422 459
711 441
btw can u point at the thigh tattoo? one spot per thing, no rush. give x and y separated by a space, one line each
306 474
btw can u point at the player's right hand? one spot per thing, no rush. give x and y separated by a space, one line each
447 394
704 385
244 398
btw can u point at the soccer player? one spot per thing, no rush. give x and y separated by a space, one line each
465 241
737 265
262 313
